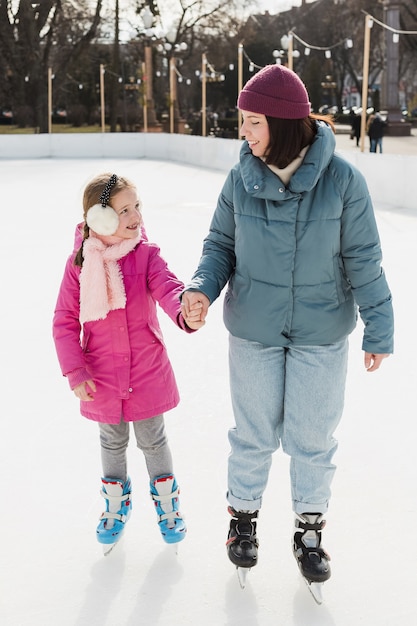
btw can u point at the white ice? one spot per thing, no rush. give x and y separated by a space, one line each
52 571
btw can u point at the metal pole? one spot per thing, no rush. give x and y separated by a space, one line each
203 95
365 78
102 105
290 52
145 79
171 94
49 100
239 83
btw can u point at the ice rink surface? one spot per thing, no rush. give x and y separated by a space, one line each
52 572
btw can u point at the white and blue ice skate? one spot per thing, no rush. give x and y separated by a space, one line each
118 508
165 494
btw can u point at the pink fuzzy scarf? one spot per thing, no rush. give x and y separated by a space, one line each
101 280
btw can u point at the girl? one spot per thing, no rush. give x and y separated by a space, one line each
110 348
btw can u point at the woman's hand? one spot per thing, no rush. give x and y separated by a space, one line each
193 302
83 391
193 319
373 361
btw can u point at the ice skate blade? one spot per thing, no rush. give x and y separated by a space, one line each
242 573
174 548
316 590
108 547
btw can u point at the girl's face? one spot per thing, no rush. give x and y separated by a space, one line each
255 129
127 206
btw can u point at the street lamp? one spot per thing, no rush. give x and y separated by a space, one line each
150 121
176 124
50 79
288 49
396 123
102 102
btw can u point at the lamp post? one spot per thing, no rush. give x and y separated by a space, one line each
287 44
212 77
149 105
50 77
239 84
203 95
365 78
396 123
176 123
172 94
102 103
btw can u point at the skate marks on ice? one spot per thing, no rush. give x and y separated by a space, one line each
315 589
108 548
293 605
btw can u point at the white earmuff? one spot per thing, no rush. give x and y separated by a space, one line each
102 219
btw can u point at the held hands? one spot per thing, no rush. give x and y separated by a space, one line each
83 391
373 361
194 308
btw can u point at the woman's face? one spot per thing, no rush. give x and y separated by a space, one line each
255 129
127 206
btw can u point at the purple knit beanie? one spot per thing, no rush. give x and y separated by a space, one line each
275 91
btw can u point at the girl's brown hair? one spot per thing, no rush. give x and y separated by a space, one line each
91 196
289 137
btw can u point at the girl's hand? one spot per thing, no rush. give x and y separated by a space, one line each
194 301
193 318
83 391
373 361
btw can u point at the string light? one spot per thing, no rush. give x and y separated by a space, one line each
346 42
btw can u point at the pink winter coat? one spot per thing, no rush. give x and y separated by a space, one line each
124 353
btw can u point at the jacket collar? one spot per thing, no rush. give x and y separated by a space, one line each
261 182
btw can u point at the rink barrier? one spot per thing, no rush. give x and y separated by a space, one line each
391 178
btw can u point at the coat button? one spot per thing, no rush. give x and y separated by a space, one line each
130 389
256 186
281 190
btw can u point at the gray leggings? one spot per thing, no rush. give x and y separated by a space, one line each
150 438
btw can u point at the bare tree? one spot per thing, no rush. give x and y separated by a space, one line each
36 36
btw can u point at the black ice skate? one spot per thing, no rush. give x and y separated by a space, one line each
242 543
312 560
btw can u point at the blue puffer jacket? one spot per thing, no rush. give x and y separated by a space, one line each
298 260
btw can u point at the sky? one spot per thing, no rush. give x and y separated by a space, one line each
52 571
276 6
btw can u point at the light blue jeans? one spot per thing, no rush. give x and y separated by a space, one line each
291 397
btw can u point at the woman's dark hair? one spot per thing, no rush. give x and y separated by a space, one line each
289 137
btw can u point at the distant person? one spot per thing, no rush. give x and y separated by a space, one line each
356 127
295 240
110 348
375 129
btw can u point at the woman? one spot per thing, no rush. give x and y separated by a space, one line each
294 237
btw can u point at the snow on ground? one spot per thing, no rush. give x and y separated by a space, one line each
52 572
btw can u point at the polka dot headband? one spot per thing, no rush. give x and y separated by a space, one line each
105 196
